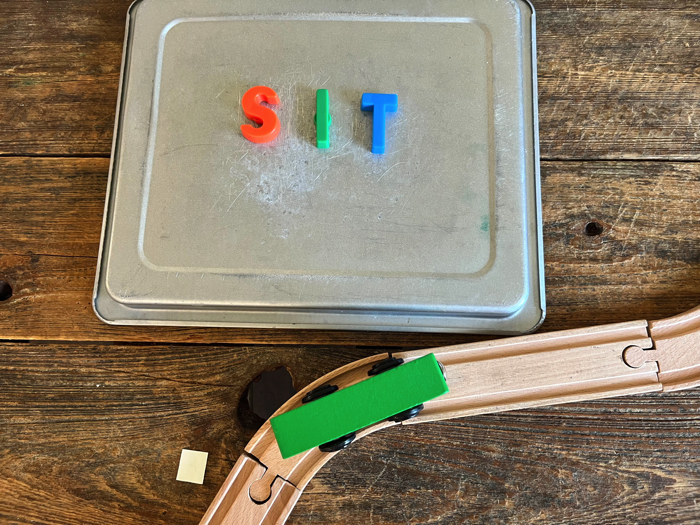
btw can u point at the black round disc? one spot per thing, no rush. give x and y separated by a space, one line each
5 291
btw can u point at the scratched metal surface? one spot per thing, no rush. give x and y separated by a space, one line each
440 233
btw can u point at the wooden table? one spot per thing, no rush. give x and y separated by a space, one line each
93 417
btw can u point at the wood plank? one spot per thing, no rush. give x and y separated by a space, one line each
614 462
93 433
52 206
644 264
59 73
617 80
646 260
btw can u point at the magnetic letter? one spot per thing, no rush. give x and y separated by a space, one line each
380 104
269 123
323 119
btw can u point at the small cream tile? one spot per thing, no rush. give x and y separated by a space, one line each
192 466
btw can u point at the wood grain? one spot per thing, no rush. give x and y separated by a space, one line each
75 452
646 261
52 206
644 265
621 461
617 80
59 73
92 434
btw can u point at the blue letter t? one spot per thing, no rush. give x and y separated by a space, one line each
380 104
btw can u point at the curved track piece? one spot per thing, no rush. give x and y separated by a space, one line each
677 343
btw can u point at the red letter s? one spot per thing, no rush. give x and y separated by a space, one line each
270 124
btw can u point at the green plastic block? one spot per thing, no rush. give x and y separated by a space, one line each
323 119
359 406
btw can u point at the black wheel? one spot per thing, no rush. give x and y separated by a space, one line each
406 414
338 444
383 366
319 392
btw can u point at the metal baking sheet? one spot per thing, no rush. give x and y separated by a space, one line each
441 233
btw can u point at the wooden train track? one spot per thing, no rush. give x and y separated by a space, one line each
494 376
